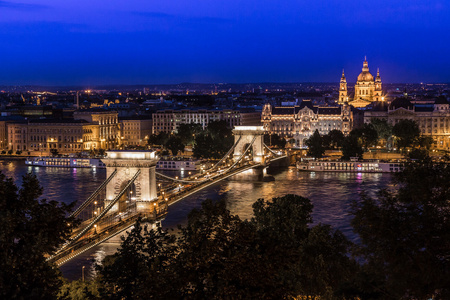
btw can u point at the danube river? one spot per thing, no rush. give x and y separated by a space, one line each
331 194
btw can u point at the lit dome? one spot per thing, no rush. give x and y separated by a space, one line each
365 74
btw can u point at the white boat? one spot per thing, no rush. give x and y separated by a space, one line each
350 166
65 162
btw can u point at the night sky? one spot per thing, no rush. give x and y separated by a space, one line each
64 42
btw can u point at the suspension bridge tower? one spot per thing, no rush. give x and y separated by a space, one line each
135 170
251 137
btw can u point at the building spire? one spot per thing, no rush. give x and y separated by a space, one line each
343 76
365 65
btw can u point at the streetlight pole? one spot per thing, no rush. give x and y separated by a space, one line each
82 273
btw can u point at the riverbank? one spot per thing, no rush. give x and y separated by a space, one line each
12 157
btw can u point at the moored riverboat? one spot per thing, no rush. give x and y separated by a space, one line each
65 162
349 166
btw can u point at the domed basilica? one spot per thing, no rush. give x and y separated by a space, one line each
367 89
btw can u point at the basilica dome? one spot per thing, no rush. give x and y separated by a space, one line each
365 74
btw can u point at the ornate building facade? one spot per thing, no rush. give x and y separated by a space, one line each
367 89
300 122
433 119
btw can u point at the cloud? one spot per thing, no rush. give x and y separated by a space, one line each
21 6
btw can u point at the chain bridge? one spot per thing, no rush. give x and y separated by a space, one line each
133 188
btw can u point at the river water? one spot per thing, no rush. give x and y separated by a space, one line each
331 194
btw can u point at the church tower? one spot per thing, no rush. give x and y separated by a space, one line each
378 92
343 97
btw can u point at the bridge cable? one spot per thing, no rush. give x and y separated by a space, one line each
273 152
103 212
178 180
93 195
243 153
226 155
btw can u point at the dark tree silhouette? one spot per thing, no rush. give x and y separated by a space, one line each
31 229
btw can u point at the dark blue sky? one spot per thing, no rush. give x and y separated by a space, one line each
169 41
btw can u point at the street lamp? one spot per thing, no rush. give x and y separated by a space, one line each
82 272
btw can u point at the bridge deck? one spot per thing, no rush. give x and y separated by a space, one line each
110 225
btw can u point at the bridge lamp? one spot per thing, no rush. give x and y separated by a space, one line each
95 212
95 202
167 199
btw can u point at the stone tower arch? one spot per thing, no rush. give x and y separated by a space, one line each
243 136
128 163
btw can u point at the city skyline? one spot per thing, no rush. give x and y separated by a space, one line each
85 43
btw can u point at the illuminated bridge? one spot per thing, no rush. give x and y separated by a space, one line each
131 189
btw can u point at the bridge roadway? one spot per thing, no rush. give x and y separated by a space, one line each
114 224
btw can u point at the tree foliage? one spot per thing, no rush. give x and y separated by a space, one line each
276 255
351 147
187 132
141 268
367 135
214 142
275 140
335 138
406 133
158 139
405 234
31 229
383 128
175 144
315 145
80 290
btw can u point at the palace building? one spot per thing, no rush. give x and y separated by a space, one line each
300 122
367 89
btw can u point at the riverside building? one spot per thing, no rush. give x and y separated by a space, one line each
300 122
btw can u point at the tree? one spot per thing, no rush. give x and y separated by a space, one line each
274 140
54 152
203 146
351 147
383 129
315 147
32 228
275 255
214 142
80 290
425 142
142 267
367 135
418 154
336 138
405 233
406 133
158 139
101 152
187 132
175 144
